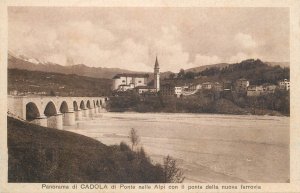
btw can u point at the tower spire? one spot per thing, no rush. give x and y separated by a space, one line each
156 63
156 75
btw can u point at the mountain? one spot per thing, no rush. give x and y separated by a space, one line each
33 64
21 62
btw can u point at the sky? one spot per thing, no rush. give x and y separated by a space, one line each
131 38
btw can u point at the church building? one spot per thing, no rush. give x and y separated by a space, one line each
139 82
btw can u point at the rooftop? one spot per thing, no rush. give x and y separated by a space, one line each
131 75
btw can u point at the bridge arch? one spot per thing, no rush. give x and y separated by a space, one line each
82 105
75 106
32 111
88 104
64 107
50 109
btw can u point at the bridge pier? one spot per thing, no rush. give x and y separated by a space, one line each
69 118
90 112
96 110
55 121
42 121
78 115
84 112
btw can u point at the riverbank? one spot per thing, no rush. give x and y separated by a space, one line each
190 105
39 154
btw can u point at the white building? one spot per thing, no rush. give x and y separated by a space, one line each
123 82
178 91
284 84
207 85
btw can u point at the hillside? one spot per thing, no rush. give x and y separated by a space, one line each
256 71
201 68
223 65
79 69
24 63
39 154
25 81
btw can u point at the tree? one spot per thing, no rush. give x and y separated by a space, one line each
134 138
189 75
181 74
171 171
172 76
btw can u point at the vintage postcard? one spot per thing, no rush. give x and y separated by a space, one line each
156 96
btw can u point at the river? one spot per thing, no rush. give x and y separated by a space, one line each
208 147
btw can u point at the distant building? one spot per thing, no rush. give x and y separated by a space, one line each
284 84
207 85
227 85
196 87
217 87
269 88
257 90
241 85
254 90
167 90
178 91
123 82
145 90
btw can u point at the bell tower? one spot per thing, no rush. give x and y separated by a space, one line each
156 75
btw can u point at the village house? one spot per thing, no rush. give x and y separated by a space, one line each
167 90
227 85
284 84
254 90
218 87
178 91
269 88
207 85
123 82
241 85
145 90
194 87
258 90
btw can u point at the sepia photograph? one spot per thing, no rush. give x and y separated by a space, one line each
159 95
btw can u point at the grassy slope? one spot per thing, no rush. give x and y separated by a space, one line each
61 84
39 154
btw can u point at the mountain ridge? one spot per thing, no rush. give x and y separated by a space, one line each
24 63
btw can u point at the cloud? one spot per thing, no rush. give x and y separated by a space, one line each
130 38
171 53
238 57
245 41
201 60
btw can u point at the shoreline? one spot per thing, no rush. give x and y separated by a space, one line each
215 113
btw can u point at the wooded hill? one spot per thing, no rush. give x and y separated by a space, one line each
256 71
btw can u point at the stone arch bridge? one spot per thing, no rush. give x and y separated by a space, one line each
54 112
